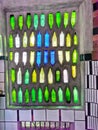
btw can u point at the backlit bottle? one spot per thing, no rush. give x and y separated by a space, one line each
34 76
19 76
12 22
68 40
47 39
24 57
58 75
14 98
58 19
26 96
20 95
65 76
42 20
11 41
32 58
25 39
73 18
39 40
13 75
46 94
26 77
53 95
46 57
67 56
61 37
74 71
75 39
75 95
50 76
20 22
42 76
40 95
32 39
35 21
16 58
28 20
38 58
52 57
74 56
50 20
68 95
66 19
33 95
60 95
17 41
54 40
11 56
60 56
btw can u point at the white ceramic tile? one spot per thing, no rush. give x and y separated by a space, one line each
94 82
39 115
67 115
97 96
1 115
11 126
86 109
2 102
1 77
52 115
25 115
93 67
1 65
10 115
2 126
85 81
79 115
91 109
79 125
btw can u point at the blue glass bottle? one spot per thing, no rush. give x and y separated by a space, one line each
38 58
52 57
47 39
45 57
39 40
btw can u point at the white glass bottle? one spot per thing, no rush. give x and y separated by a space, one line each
24 57
17 41
16 58
19 76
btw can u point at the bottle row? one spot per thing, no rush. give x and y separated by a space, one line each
50 76
44 57
39 95
36 20
48 41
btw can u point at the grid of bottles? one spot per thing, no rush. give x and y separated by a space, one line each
43 59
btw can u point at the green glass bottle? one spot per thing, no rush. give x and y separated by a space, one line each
26 77
26 96
73 18
33 95
60 95
10 55
35 21
42 20
46 94
75 56
20 95
58 75
11 41
75 95
13 75
53 95
75 38
40 95
20 22
28 20
14 99
50 20
12 22
68 95
58 19
66 19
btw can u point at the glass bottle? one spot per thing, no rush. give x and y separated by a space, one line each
46 57
25 40
11 41
74 56
75 39
38 58
66 19
26 96
58 19
61 36
50 20
73 18
65 76
53 95
42 76
33 95
13 75
11 56
60 95
12 22
28 20
47 39
16 58
52 57
24 58
42 20
60 56
32 58
34 76
32 39
14 99
50 76
20 95
26 77
46 94
74 71
75 95
54 40
58 75
35 21
68 40
17 41
68 95
67 56
19 76
20 22
40 95
39 40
